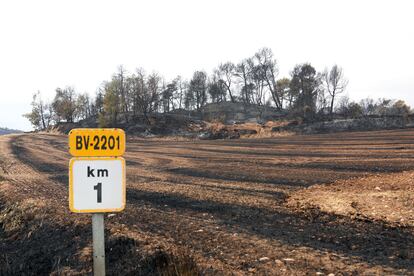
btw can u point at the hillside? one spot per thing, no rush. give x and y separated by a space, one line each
4 131
213 121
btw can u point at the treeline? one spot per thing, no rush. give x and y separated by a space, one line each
128 96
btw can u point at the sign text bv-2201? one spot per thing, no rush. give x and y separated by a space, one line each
97 180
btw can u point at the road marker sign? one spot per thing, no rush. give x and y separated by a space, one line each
97 180
96 142
96 184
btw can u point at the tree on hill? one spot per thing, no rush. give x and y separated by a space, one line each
84 106
259 85
334 83
180 92
111 105
97 108
120 89
243 72
41 114
216 89
225 73
305 83
282 89
267 71
64 105
168 96
198 88
400 108
189 100
153 86
253 81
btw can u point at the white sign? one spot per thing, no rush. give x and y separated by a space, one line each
96 184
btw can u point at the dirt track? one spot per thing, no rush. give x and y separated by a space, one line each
226 207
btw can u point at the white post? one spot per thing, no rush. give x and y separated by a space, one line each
98 241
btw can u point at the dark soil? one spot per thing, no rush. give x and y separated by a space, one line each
211 207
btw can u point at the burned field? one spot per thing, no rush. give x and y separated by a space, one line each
335 203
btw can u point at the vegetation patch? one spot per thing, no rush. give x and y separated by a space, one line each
21 217
126 254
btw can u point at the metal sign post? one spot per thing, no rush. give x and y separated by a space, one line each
98 241
97 181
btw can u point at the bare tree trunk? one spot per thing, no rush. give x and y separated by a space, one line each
332 104
42 116
229 90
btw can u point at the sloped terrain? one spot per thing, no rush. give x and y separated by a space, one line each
4 131
232 207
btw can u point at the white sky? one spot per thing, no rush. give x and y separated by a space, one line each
49 44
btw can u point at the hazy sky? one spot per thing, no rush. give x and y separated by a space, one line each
49 44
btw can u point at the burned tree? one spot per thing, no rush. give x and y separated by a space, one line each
225 73
334 83
267 66
198 89
243 72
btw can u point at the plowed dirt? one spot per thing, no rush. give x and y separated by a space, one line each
294 205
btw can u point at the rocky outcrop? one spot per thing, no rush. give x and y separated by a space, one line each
360 124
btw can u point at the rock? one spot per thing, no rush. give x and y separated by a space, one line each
204 136
220 134
279 262
264 259
288 259
246 131
377 188
354 204
331 274
319 273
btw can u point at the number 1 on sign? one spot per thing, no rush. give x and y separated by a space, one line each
96 184
98 188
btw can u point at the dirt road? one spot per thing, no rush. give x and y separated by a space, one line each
218 207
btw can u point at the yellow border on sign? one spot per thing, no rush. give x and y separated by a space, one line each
71 207
75 153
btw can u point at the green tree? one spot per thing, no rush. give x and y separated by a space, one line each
198 87
282 89
400 108
64 104
167 96
98 105
111 106
305 83
41 115
83 106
